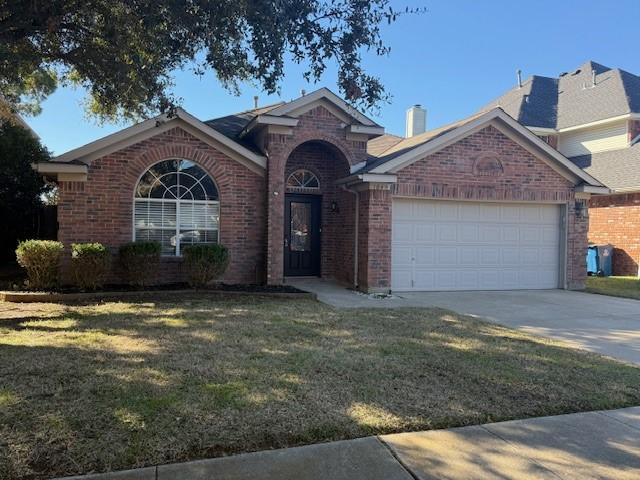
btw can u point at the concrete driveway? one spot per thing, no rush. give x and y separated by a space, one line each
601 324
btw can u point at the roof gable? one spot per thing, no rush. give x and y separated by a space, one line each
400 156
325 97
159 124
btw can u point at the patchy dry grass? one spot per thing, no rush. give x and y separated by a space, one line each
119 385
628 287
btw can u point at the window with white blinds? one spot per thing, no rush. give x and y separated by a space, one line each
176 204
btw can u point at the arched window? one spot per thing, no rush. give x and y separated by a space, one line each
176 203
303 180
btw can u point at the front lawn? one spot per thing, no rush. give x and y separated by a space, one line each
122 385
628 287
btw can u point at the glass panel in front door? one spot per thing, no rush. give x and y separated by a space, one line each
300 236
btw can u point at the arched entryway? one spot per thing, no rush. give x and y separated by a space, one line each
318 214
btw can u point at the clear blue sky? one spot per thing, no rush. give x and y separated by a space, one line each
453 59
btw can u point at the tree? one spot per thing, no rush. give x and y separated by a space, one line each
123 51
21 187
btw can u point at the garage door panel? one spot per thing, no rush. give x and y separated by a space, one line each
447 256
402 256
401 278
425 232
469 233
403 232
447 232
403 211
425 256
424 210
448 245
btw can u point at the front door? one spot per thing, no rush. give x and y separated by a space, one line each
301 235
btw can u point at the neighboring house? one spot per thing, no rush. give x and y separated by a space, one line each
291 190
592 116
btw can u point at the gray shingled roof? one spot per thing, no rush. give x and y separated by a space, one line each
570 99
232 125
617 169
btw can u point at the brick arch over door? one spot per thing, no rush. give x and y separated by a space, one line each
337 206
328 141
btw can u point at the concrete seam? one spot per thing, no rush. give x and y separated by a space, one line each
515 447
604 414
397 458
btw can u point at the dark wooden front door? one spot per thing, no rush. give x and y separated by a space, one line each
302 235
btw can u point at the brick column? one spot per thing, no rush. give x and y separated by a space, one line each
374 240
275 209
578 226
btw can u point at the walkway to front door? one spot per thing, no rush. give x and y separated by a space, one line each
302 235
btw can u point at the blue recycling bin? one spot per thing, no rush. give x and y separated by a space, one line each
605 257
592 260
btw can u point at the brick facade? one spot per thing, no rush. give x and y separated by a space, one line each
485 166
519 176
374 238
318 125
615 219
101 209
337 225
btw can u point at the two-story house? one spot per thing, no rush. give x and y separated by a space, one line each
592 116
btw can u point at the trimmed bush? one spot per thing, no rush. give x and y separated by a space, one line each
40 258
89 264
205 263
140 261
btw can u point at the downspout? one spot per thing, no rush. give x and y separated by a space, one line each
355 235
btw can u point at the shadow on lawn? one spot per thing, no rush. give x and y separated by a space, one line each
121 385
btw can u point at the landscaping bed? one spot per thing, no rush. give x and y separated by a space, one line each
115 385
115 292
627 287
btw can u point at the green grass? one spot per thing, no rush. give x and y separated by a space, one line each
121 385
628 287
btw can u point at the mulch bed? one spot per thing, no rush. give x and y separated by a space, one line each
68 293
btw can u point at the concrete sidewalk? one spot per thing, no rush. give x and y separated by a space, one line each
602 445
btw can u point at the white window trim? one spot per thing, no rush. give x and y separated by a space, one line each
177 202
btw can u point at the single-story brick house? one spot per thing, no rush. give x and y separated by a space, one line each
314 187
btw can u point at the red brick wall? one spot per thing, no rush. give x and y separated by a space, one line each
453 173
315 125
374 239
615 219
100 209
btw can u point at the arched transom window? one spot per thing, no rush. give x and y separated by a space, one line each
303 180
176 203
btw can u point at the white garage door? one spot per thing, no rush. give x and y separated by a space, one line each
447 245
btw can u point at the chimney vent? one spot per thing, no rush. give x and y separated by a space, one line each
255 101
416 121
519 75
303 92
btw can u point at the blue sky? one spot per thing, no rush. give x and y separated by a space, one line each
452 60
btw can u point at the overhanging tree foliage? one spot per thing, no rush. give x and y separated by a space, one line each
123 51
20 186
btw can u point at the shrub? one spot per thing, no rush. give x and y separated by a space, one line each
40 258
89 264
205 263
140 261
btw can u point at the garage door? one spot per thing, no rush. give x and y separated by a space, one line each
446 245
